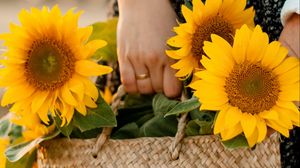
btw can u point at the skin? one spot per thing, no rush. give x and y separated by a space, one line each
143 28
290 35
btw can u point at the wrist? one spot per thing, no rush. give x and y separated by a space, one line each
142 5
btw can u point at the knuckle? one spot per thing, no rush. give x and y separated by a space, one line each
153 59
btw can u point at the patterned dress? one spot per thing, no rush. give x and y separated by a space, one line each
268 16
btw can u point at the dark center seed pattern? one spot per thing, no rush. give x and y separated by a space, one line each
49 65
215 25
252 88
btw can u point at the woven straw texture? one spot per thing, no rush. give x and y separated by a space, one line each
199 151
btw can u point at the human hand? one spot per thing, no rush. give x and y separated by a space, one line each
290 34
143 28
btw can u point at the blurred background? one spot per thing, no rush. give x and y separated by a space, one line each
95 10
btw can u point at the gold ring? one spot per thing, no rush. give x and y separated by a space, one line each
142 76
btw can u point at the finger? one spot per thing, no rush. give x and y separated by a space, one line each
156 75
172 86
144 86
128 76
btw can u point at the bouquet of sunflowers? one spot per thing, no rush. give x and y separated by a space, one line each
238 86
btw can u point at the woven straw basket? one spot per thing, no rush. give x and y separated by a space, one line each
163 152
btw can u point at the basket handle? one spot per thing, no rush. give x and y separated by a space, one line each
107 130
174 148
180 134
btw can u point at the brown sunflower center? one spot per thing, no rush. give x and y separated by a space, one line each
215 25
49 65
252 88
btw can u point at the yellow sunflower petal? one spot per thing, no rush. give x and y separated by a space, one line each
84 33
183 51
43 112
212 7
276 127
187 14
198 10
286 65
172 54
38 99
67 96
281 55
90 89
91 47
218 55
210 78
178 41
269 114
290 110
290 92
89 68
258 42
232 132
233 117
212 67
262 130
270 53
252 139
16 93
248 123
220 121
81 108
77 87
290 77
89 102
69 115
212 107
240 44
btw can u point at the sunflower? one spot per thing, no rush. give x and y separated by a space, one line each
48 65
252 84
221 17
32 125
4 142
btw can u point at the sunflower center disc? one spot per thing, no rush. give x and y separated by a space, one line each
49 65
252 88
215 25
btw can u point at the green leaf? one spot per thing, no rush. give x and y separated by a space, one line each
161 104
135 107
192 128
106 31
138 100
25 162
65 130
93 133
99 117
184 107
203 115
4 127
237 142
128 131
197 127
16 152
159 126
15 132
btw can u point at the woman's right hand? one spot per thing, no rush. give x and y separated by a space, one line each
143 28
